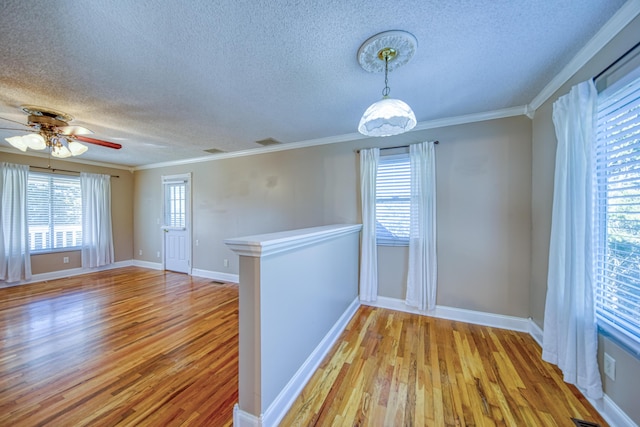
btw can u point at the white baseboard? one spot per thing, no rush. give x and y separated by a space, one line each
42 277
216 275
615 416
535 331
282 403
459 314
245 419
148 264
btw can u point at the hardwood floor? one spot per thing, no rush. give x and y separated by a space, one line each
122 347
138 347
397 369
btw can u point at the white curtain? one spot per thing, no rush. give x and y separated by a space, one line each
422 274
15 260
570 334
97 236
369 254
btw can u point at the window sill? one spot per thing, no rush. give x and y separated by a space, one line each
52 251
623 341
405 244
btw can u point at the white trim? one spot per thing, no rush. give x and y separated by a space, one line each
535 332
471 118
263 245
68 159
431 124
612 414
287 396
216 275
245 419
148 264
609 30
458 314
184 178
59 274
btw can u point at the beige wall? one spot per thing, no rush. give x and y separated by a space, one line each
625 389
121 211
484 184
483 173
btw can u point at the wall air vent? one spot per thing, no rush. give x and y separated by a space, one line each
583 423
214 151
268 141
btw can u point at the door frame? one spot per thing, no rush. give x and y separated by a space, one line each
172 179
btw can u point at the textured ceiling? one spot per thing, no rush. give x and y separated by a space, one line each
170 79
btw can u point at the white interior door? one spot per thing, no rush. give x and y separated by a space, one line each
176 223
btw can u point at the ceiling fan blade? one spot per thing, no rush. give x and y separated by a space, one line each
107 144
18 130
13 121
73 130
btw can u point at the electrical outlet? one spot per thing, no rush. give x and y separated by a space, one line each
610 366
158 254
65 260
197 242
140 252
226 263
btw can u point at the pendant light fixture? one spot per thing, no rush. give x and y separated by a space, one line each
386 52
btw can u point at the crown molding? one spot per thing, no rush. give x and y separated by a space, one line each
431 124
609 30
68 159
471 118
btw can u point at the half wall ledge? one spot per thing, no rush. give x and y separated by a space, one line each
298 290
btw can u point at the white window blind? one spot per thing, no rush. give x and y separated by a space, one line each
617 214
393 191
54 205
175 205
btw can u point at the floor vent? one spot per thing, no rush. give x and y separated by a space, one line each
215 282
583 423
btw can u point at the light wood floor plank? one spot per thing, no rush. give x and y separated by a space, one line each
122 347
434 372
149 348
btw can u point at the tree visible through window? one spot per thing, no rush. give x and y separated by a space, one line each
54 205
617 215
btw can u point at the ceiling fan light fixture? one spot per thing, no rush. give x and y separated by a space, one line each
60 151
17 142
35 141
384 52
77 148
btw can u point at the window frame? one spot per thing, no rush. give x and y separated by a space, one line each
611 326
51 214
384 161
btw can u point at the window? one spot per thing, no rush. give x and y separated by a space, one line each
54 205
393 200
617 213
175 209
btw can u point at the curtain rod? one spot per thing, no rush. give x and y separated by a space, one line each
397 146
615 62
49 168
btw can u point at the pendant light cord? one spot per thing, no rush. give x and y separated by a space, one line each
386 90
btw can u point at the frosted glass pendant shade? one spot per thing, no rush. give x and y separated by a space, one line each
76 148
17 142
34 141
387 117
